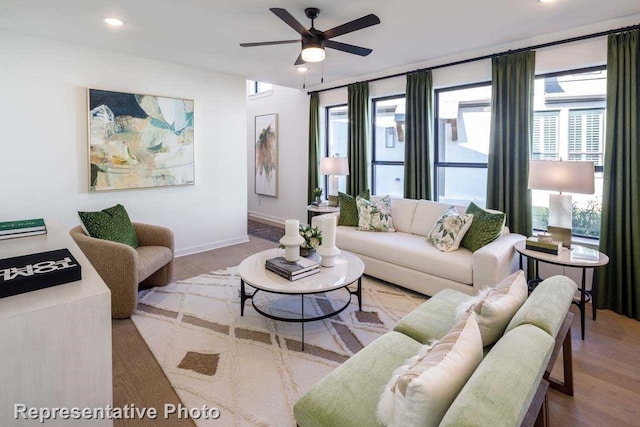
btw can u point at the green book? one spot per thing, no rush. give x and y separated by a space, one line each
23 226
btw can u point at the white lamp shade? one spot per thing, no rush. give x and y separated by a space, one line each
568 177
334 166
312 54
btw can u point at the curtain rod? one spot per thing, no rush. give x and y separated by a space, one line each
494 55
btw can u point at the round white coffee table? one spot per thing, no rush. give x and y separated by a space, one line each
348 270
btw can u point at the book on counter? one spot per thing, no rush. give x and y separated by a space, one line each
552 248
37 271
292 270
23 228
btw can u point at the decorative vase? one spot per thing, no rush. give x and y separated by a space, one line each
292 240
305 252
328 250
317 201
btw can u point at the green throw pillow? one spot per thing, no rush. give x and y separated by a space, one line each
349 209
485 227
110 224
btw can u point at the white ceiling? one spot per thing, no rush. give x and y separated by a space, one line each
206 33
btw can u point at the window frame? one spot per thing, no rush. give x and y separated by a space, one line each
375 162
436 135
325 151
585 99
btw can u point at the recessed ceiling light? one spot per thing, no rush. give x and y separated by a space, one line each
114 22
302 69
546 1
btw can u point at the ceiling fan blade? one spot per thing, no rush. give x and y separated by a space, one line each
349 48
269 43
299 60
355 25
290 20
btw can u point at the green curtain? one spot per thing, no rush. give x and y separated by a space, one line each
510 140
358 137
314 144
619 287
418 135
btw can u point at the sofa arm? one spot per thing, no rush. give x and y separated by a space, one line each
495 261
154 235
116 263
314 222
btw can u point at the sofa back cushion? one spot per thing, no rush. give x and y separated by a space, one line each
402 212
426 214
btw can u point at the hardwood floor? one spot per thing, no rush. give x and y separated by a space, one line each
606 365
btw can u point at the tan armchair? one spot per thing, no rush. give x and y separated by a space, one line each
124 268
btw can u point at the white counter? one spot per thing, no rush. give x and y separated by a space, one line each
55 343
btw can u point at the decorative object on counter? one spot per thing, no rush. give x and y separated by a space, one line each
292 240
560 234
317 194
37 271
334 167
22 228
328 250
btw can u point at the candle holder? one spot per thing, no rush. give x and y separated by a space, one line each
328 255
292 240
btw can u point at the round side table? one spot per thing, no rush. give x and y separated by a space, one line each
578 257
313 210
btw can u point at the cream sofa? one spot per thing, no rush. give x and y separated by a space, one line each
405 258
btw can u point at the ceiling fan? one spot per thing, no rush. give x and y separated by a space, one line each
314 41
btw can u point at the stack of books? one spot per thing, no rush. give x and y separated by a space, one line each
24 228
292 270
552 248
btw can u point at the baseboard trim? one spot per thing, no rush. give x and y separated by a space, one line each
266 219
210 246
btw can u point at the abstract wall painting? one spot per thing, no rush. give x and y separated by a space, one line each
266 149
139 141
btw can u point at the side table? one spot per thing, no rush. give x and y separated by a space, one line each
313 210
577 257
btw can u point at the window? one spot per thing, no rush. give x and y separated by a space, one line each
463 122
256 87
336 134
569 123
387 155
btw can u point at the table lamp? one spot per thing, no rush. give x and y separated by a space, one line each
334 167
570 177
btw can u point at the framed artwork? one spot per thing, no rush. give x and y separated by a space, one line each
139 141
266 160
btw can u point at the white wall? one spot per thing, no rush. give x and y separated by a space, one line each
292 107
44 156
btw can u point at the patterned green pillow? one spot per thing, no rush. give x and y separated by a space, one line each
110 224
348 208
485 227
374 216
449 230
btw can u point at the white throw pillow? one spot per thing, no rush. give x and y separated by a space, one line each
449 230
495 306
374 216
421 391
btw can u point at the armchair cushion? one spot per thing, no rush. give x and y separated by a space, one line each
152 259
110 224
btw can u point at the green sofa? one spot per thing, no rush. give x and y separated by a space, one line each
499 392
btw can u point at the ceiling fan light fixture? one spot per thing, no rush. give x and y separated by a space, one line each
313 54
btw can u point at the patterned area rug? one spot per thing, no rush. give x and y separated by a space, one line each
264 231
252 368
